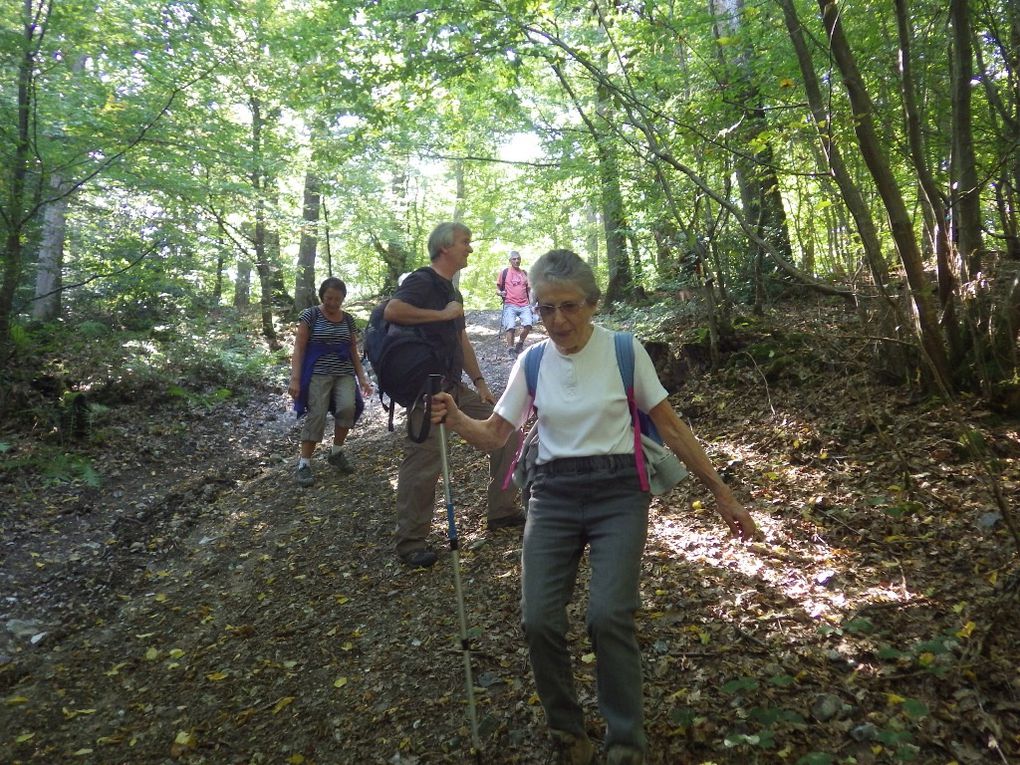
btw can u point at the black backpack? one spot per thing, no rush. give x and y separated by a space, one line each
402 358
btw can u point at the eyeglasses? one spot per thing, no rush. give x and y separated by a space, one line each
567 309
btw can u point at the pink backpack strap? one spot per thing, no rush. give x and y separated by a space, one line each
639 452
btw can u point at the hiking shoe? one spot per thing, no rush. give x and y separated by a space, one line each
571 749
519 347
304 475
338 460
423 558
507 521
624 755
511 351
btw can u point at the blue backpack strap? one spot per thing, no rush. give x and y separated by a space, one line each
624 342
532 361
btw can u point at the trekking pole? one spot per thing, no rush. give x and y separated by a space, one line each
476 743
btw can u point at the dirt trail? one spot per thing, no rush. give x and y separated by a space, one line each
200 608
121 602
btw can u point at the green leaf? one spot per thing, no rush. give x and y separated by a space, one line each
915 709
684 716
740 684
859 626
889 653
816 758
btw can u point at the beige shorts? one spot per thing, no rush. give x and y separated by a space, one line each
321 391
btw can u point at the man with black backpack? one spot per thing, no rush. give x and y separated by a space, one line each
428 300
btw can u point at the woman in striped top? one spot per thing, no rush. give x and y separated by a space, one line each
323 367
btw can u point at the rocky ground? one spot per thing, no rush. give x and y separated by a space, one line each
199 607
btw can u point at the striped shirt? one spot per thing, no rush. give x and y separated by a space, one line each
322 330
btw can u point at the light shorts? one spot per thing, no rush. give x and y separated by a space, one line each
323 388
513 312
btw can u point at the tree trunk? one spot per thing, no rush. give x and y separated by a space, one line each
281 298
591 215
667 251
242 284
613 219
265 273
304 283
993 342
461 189
614 227
15 203
220 262
395 256
328 241
49 269
900 223
932 197
1004 34
262 262
759 186
851 193
967 200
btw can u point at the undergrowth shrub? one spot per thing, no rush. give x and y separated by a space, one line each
203 360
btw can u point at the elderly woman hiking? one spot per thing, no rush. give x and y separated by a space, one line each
586 492
323 367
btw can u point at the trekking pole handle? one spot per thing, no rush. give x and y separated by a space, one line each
434 386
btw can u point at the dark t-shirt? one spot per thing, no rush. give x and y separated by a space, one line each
425 288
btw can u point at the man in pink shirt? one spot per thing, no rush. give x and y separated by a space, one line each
512 286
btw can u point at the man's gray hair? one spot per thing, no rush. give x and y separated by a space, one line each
564 268
442 236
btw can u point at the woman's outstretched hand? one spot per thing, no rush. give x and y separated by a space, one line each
736 517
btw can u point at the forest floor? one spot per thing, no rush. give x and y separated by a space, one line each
200 607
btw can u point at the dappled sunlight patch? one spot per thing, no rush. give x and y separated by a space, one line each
483 331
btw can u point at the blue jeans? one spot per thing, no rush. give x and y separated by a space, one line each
594 502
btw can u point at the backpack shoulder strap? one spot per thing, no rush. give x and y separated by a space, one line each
624 342
502 279
532 361
440 284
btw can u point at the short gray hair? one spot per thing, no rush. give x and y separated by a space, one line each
564 267
442 236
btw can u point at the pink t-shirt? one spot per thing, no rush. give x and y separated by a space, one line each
516 286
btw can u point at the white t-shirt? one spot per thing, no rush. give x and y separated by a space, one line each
580 398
